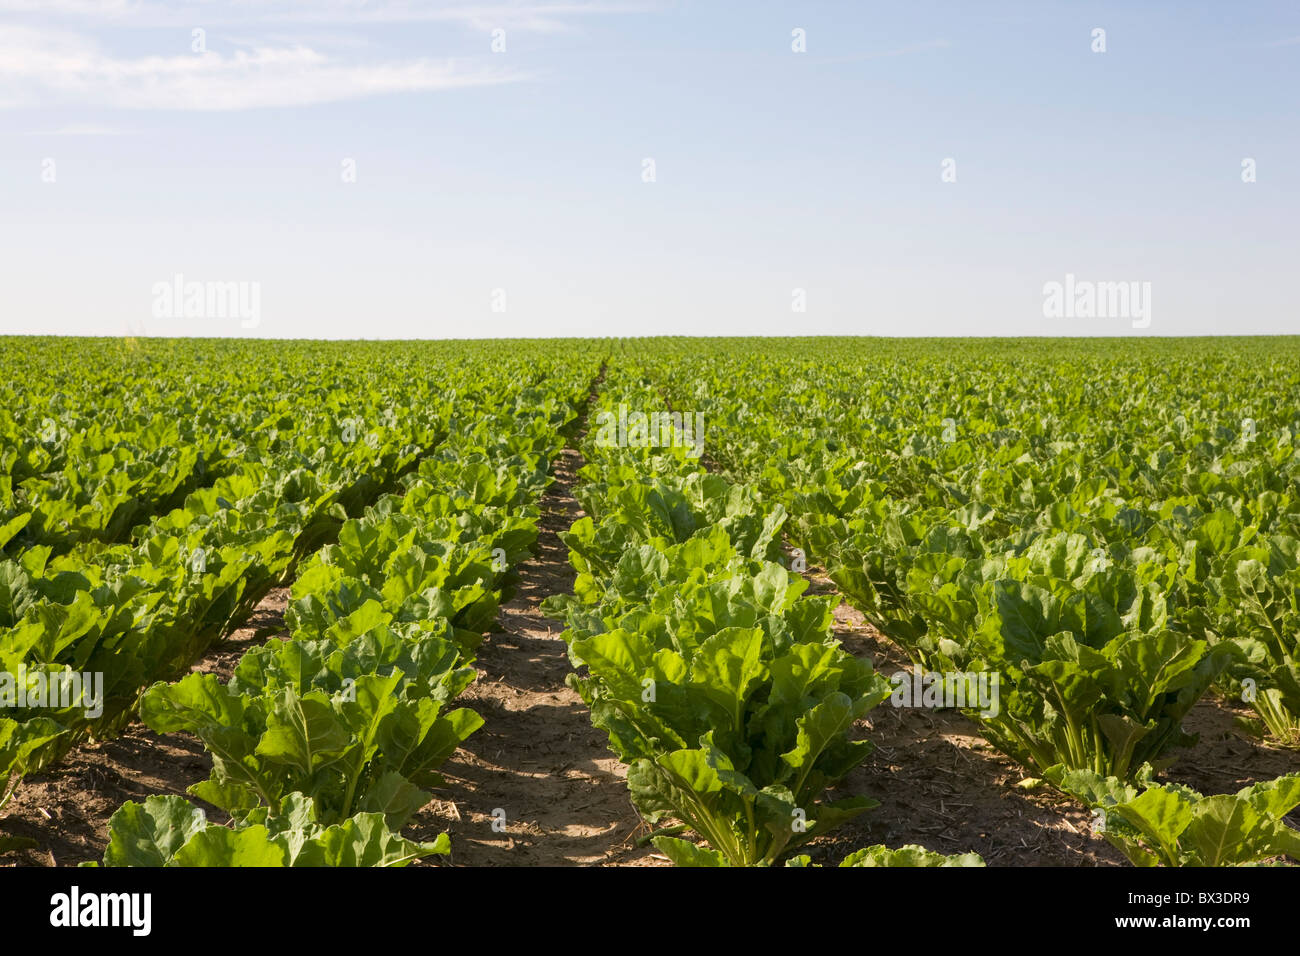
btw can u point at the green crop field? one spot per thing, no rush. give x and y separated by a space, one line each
708 602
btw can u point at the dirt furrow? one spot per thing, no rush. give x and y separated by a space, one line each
537 784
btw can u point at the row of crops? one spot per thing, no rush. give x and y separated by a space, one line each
321 744
716 678
1112 531
396 497
1114 534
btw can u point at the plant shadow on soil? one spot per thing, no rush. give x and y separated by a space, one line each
537 762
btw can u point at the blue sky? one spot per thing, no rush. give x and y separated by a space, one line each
514 180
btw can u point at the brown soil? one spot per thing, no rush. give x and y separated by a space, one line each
537 759
266 620
941 785
1224 759
66 809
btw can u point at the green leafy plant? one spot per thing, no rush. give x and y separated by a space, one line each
910 855
143 519
1172 825
717 682
356 727
172 832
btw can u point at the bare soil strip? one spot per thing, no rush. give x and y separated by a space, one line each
538 764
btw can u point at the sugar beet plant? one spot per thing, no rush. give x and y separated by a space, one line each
1173 825
142 609
1115 537
291 442
1110 552
336 734
715 677
171 831
1252 598
1095 676
905 856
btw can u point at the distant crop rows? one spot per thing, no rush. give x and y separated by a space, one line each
1076 540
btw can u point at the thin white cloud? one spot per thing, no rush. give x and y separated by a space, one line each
77 129
521 16
525 15
100 9
40 68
